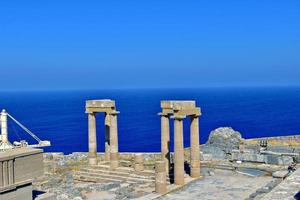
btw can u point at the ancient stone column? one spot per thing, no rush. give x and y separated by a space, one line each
114 163
178 151
195 150
139 162
160 177
107 137
165 140
92 139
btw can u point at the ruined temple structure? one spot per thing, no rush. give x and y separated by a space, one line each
111 131
178 110
110 167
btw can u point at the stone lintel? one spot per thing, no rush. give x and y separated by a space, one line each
106 110
194 111
177 116
178 105
101 103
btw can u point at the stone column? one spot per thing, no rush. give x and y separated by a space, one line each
195 150
139 162
178 151
92 139
160 177
107 137
114 149
165 140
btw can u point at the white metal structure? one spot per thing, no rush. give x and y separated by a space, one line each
5 144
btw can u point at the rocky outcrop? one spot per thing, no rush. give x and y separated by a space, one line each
225 137
227 144
221 142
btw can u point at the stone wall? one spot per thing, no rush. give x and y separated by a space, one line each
18 168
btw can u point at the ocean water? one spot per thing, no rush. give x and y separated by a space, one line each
60 116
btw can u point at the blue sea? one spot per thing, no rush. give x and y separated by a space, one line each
59 116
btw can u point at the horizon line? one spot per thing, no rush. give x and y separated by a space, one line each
150 88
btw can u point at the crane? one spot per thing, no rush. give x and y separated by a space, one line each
5 144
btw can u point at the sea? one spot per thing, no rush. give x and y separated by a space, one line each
59 116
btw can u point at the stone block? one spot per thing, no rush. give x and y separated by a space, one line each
102 103
178 105
278 160
285 160
280 174
215 152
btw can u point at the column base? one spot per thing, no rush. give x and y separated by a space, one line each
93 161
114 161
161 188
107 154
179 181
195 172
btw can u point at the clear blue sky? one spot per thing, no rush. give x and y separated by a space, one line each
148 44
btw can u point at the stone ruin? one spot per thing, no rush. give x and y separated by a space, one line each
178 110
112 169
111 131
224 144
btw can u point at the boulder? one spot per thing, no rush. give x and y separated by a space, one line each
225 137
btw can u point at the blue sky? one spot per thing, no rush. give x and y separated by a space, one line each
148 44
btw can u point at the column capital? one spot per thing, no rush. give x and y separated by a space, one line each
163 114
195 115
178 117
113 112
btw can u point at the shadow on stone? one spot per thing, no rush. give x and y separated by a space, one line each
297 196
36 193
187 168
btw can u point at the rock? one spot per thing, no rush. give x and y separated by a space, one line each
206 157
211 152
63 197
278 160
211 173
280 174
273 183
263 190
225 137
77 198
250 157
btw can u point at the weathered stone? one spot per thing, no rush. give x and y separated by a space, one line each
280 174
225 137
178 105
216 153
278 160
103 103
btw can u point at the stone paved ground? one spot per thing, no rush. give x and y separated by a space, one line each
224 184
289 189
